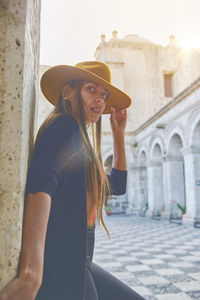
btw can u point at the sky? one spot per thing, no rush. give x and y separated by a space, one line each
71 29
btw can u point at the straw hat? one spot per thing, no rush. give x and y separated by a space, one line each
53 80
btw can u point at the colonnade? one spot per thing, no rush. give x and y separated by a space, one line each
167 178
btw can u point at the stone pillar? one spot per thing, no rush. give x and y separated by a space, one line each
155 188
174 186
19 48
192 184
166 188
131 188
142 189
150 173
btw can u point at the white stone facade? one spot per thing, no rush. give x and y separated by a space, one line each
166 150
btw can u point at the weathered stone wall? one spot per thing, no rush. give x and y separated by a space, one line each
19 49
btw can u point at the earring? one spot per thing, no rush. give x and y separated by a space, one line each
67 100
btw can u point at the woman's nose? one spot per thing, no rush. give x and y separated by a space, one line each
100 100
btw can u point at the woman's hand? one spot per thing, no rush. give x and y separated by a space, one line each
19 289
36 215
118 121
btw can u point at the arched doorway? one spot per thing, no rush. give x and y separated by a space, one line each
177 179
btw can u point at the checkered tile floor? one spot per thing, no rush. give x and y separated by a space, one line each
158 259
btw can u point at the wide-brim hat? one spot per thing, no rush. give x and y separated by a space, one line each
54 79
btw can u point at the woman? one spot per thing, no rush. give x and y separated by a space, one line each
66 187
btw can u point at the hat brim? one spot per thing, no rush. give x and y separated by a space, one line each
53 80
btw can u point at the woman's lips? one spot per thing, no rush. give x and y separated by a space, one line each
96 110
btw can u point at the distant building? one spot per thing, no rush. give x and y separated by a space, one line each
150 73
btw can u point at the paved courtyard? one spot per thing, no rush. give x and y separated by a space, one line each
158 259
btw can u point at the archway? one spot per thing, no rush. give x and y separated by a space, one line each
177 178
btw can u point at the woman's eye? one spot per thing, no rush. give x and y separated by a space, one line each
91 88
105 95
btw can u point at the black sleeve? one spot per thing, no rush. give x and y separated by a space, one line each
51 154
117 180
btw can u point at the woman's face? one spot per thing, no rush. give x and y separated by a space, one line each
94 99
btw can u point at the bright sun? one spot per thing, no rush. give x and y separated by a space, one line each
189 43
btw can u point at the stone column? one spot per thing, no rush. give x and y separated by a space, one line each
155 188
192 184
142 189
150 173
166 188
174 186
19 48
132 188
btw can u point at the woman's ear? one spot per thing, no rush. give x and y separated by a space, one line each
68 92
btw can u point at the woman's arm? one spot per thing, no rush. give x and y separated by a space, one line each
118 176
119 157
36 215
118 123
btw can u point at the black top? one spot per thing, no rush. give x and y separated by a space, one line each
58 168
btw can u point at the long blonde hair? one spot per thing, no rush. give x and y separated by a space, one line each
97 185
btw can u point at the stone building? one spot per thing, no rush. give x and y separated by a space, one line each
166 150
163 132
150 73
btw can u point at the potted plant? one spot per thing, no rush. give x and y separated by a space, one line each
182 208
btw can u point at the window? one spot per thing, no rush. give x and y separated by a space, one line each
168 84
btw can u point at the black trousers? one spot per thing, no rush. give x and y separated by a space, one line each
100 284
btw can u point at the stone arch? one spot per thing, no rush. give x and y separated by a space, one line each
175 144
177 177
157 140
142 151
171 130
143 158
156 151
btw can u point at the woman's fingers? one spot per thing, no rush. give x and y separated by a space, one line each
118 119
